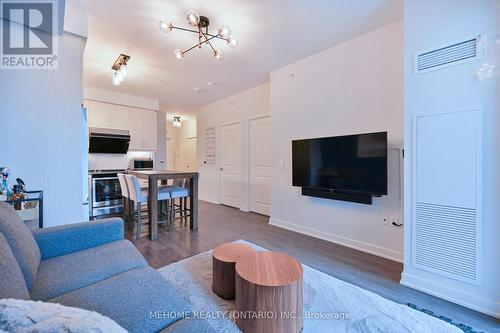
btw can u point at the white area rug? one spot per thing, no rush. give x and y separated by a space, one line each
347 307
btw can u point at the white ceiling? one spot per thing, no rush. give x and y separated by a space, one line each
273 33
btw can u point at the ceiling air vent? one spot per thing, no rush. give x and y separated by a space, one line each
450 55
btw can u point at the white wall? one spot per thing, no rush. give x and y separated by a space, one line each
41 130
431 24
237 108
354 87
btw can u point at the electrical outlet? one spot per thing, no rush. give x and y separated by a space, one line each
395 221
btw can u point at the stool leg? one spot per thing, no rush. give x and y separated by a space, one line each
184 208
131 210
167 214
181 213
166 210
139 220
124 205
172 214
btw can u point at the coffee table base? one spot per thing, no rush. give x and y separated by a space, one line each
280 307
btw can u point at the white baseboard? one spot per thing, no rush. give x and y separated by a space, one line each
207 199
470 301
348 242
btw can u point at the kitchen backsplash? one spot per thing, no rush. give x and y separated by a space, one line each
115 161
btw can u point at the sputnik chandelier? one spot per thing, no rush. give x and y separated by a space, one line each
200 24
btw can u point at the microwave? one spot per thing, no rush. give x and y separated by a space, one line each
142 164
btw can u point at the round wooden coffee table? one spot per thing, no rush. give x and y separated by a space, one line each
224 258
269 294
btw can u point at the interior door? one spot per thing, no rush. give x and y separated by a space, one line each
260 165
230 164
191 157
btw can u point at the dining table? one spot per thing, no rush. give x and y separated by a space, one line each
154 177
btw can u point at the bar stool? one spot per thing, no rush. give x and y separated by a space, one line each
177 190
126 197
140 197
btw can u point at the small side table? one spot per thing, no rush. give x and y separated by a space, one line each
30 196
269 283
224 258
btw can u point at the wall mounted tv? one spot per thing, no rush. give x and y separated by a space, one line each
350 167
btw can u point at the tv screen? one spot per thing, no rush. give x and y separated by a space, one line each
350 163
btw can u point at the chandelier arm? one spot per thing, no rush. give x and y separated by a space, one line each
208 41
192 47
185 29
196 32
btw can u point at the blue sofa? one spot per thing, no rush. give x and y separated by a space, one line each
91 266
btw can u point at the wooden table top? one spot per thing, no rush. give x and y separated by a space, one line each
231 252
271 269
167 173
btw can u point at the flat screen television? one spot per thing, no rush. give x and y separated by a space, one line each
349 163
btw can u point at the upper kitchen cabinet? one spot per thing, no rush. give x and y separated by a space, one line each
106 115
149 126
141 123
142 129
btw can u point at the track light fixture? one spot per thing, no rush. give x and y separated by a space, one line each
177 122
120 68
201 23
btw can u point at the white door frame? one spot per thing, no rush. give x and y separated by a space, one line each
249 162
219 160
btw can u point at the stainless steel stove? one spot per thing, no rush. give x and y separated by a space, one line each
105 192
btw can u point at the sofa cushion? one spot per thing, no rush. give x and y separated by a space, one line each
21 242
60 275
140 300
12 284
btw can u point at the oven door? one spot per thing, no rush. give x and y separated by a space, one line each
106 191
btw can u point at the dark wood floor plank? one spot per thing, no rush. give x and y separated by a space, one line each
219 224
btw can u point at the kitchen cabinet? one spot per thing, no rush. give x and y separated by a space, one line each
141 123
149 125
142 130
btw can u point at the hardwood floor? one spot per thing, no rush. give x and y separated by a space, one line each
219 224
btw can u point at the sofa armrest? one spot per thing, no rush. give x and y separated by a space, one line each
65 239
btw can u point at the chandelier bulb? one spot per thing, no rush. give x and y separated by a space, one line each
166 26
179 54
193 18
232 41
224 31
217 54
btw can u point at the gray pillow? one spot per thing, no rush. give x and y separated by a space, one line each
12 283
21 242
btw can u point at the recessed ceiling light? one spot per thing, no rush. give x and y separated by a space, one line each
211 83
